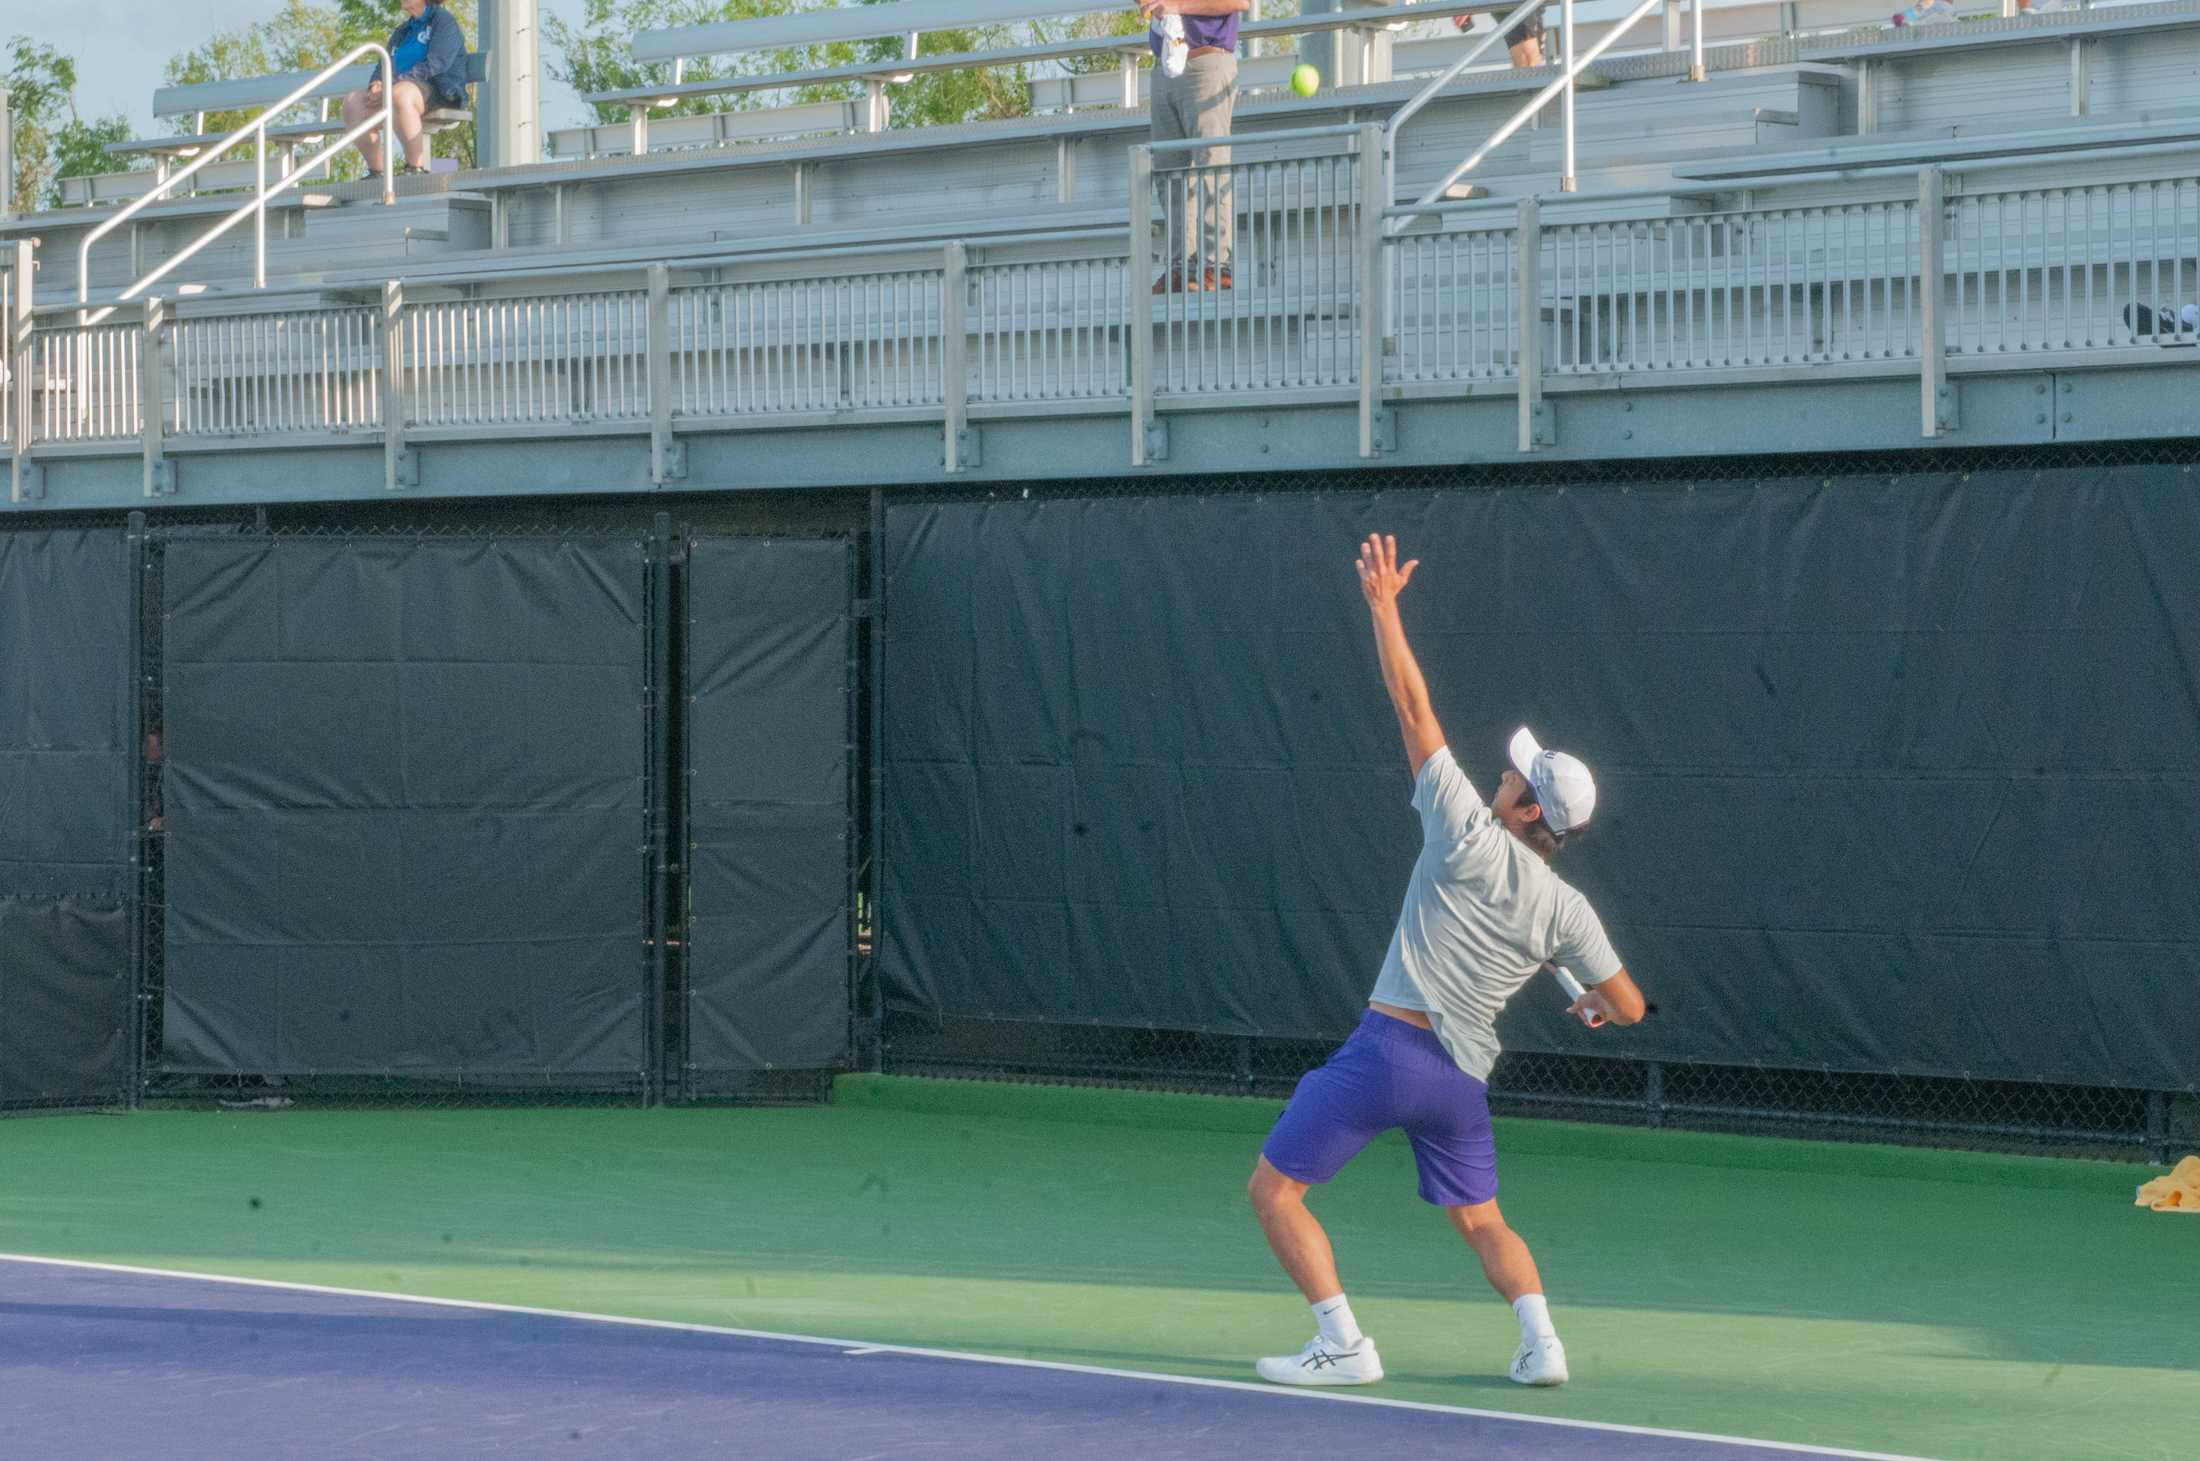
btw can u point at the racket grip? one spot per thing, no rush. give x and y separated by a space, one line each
1574 991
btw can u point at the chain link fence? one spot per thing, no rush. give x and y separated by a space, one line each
2050 1120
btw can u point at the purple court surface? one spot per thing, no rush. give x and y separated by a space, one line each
103 1363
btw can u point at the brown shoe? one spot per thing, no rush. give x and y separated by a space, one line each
1169 283
1219 278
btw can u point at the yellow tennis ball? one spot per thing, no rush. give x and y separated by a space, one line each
1306 80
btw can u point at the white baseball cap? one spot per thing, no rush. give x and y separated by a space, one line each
1563 786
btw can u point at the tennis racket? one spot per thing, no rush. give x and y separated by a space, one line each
1574 991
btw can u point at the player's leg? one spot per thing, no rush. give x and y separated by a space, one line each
1510 1269
1294 1234
1335 1112
1448 1122
1506 1261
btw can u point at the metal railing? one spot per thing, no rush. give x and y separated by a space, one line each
2058 268
1048 330
272 374
256 129
1256 277
527 360
1321 305
86 383
842 342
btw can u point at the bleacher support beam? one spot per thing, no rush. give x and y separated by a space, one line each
24 480
153 378
508 121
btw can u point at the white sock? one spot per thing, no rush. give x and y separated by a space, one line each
1338 1325
1535 1318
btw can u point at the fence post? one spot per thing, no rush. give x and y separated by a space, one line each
665 902
399 467
955 455
665 455
1937 392
1373 295
1696 71
1528 240
15 363
152 386
1138 279
140 832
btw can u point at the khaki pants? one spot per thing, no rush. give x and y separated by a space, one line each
1201 204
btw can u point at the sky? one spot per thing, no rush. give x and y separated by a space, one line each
122 47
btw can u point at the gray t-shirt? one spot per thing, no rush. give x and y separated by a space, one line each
1482 914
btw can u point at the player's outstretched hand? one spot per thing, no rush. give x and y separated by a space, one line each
1381 578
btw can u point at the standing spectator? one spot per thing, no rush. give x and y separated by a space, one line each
1197 104
428 55
1524 41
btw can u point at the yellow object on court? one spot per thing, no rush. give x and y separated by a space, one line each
2178 1192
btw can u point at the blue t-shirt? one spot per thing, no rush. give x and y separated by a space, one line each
411 51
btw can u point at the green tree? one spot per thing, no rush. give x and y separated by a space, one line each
306 35
52 140
593 56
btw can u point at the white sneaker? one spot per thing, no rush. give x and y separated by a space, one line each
1540 1362
1322 1363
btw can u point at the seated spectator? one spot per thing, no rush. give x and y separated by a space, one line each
428 52
1524 41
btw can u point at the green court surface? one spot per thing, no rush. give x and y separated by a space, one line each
1935 1304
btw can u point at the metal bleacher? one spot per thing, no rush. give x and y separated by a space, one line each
1841 234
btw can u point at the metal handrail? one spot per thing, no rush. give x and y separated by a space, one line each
1428 93
1564 83
386 118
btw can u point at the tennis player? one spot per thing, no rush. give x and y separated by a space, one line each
1483 913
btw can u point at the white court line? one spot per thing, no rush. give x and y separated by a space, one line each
850 1346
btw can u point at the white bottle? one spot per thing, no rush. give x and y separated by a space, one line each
1174 52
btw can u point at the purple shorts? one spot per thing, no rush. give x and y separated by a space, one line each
1390 1074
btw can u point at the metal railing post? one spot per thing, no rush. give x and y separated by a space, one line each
7 156
1373 293
1566 103
1696 71
23 483
954 355
1528 306
662 467
259 216
397 462
1938 395
152 386
1138 279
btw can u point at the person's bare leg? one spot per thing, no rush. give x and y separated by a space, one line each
1297 1239
1528 55
1506 1261
411 120
358 106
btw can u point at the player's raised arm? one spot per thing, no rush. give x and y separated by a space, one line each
1381 580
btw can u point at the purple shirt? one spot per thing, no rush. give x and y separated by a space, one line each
1205 30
